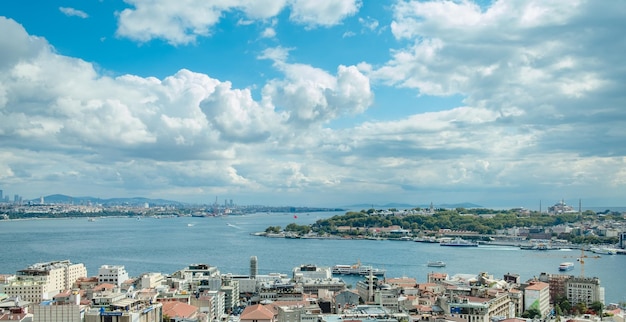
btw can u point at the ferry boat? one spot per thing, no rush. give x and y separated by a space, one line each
357 269
566 266
459 242
436 264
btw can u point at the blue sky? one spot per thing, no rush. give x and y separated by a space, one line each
316 103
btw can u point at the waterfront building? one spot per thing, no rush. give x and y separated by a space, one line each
42 281
114 274
310 271
584 290
316 286
537 295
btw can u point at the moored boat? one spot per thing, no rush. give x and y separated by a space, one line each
604 250
459 242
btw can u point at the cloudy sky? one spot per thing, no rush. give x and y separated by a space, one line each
315 103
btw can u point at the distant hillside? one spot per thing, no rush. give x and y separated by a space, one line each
409 206
135 201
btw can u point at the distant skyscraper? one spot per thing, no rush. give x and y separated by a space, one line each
1 197
254 270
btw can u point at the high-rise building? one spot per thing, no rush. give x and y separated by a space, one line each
42 281
254 270
1 197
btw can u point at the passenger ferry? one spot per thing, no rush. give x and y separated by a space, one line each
357 269
436 264
566 266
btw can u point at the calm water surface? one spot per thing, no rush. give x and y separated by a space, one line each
169 244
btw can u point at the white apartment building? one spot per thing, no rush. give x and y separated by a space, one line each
42 281
537 294
112 274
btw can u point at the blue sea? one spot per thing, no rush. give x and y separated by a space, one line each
169 244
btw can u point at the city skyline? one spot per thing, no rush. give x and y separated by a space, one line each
327 103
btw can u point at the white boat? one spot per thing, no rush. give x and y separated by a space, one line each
604 250
357 269
436 264
459 242
566 266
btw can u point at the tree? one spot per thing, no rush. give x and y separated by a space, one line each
531 313
273 229
597 307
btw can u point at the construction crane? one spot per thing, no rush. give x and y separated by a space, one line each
582 262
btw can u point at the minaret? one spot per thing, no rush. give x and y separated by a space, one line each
254 270
580 208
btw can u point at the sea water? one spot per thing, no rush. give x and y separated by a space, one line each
166 245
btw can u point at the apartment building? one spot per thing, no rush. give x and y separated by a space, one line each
112 274
41 281
537 294
584 290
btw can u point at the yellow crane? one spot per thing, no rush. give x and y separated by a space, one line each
582 262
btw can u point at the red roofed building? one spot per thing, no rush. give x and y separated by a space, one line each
257 313
537 295
178 310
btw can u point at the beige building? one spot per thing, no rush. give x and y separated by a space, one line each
481 309
584 290
56 313
41 281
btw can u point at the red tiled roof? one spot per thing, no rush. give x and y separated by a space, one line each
257 312
104 286
537 286
179 309
63 294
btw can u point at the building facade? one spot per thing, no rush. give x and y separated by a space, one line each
41 281
112 274
584 290
537 295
